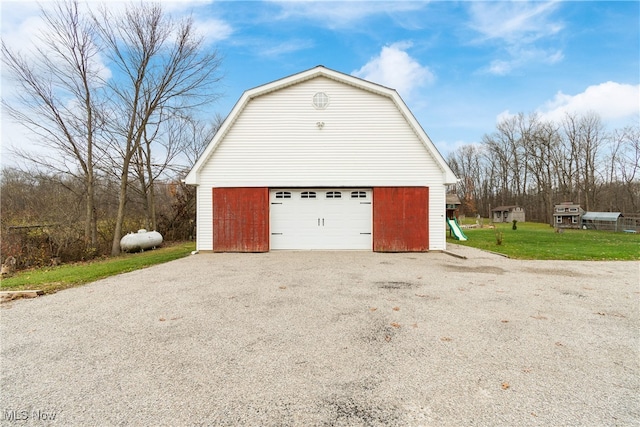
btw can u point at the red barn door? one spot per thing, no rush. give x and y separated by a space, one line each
241 219
401 219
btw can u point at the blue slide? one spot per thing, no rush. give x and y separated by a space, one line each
456 230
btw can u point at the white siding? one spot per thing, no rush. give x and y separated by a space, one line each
365 141
204 218
437 211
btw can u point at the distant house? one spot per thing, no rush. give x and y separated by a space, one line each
609 221
453 206
567 215
507 214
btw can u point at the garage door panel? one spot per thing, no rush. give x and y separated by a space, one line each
321 219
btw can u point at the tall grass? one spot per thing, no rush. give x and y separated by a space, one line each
541 241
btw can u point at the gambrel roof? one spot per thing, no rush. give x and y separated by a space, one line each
320 71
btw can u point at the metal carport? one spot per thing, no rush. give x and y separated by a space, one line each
601 220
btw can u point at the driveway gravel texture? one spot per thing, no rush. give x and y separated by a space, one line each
331 339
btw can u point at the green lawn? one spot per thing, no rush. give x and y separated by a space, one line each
529 241
65 276
540 241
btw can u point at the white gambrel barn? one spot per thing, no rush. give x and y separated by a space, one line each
320 160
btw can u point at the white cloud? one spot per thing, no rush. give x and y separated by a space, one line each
26 32
500 67
514 22
213 30
516 27
615 103
519 57
340 14
396 69
21 23
179 6
504 115
286 47
611 100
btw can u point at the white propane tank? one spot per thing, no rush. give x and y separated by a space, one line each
143 239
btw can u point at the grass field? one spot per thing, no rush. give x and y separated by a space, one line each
65 276
529 241
540 241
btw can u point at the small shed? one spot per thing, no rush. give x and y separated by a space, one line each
567 215
507 214
609 221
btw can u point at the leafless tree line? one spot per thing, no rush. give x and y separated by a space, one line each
536 163
43 212
112 96
42 215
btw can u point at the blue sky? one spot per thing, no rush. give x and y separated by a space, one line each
459 65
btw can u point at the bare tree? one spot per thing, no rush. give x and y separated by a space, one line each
58 98
538 163
192 136
628 160
467 165
585 136
156 156
161 68
196 135
542 143
504 147
174 141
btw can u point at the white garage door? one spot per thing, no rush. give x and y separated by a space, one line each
321 218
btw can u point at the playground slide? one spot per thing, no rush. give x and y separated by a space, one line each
456 230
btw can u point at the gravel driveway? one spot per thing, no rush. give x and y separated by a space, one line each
331 339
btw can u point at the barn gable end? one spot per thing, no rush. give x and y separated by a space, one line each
361 135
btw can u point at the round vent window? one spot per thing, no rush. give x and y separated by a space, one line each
320 100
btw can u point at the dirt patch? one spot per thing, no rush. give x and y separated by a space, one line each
394 285
573 294
486 269
554 272
350 411
428 297
379 332
8 296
